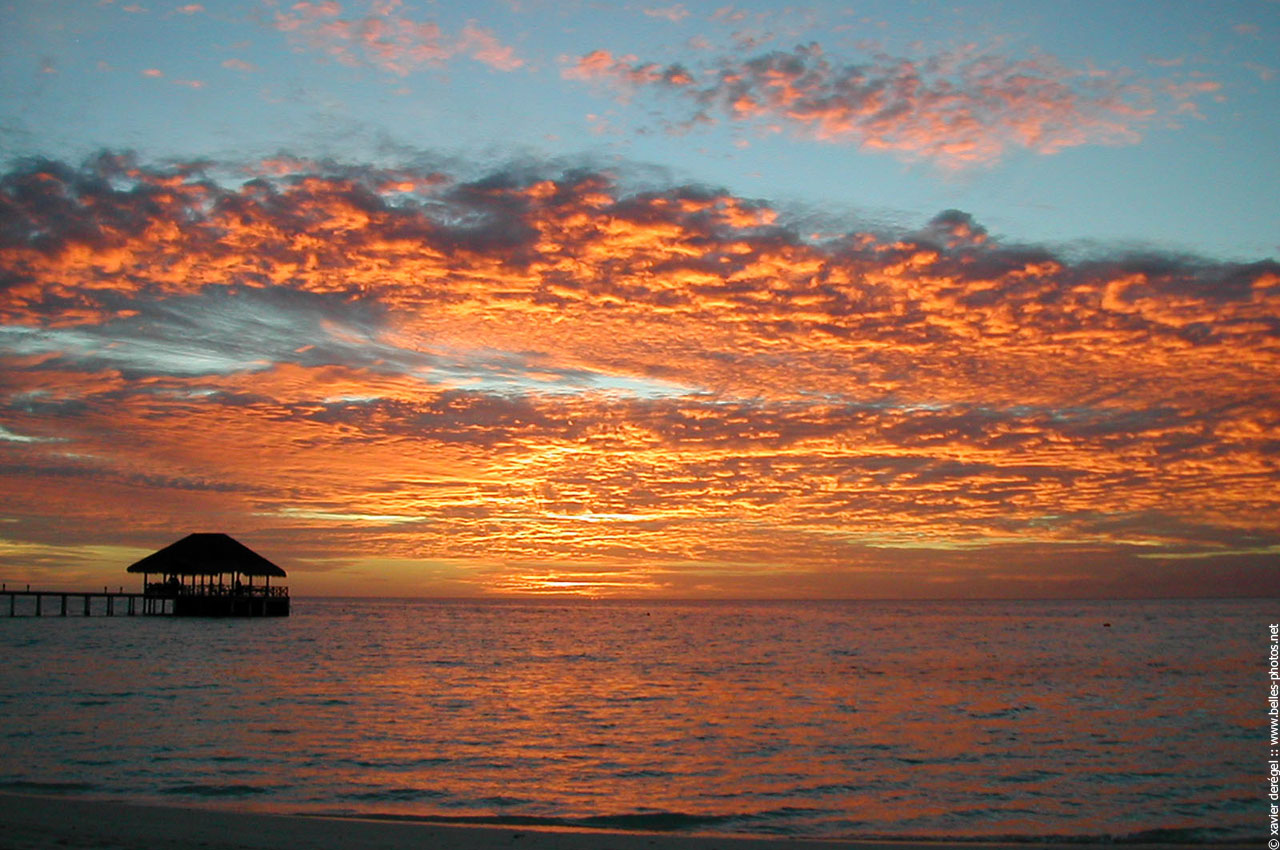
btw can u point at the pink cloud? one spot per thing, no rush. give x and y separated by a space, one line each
675 14
385 38
627 70
481 45
1264 73
956 109
729 14
1185 94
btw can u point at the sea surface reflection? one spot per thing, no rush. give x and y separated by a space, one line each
913 719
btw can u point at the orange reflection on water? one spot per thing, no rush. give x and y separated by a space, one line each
943 720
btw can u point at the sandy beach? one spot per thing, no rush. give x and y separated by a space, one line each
34 823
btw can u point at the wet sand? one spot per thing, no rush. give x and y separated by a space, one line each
36 823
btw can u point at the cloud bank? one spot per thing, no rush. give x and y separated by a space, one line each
542 380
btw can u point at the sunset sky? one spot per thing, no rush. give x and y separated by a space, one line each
857 299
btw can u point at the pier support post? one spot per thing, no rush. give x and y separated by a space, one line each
64 604
86 605
111 605
39 599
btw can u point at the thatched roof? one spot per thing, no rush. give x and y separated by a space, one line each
206 554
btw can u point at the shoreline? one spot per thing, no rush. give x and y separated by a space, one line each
33 822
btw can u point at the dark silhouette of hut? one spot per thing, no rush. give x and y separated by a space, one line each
211 575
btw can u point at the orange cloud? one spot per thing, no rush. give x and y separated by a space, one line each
549 381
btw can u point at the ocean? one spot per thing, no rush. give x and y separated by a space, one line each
1024 721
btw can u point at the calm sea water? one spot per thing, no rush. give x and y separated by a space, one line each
832 719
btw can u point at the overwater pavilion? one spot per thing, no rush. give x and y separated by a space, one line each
211 575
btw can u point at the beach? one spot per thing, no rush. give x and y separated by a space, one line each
35 822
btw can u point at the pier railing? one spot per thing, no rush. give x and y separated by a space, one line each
161 589
83 602
157 598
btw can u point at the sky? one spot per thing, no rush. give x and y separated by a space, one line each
744 300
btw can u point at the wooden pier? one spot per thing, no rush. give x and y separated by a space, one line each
202 575
81 603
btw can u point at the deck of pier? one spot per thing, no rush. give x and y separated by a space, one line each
107 603
81 603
